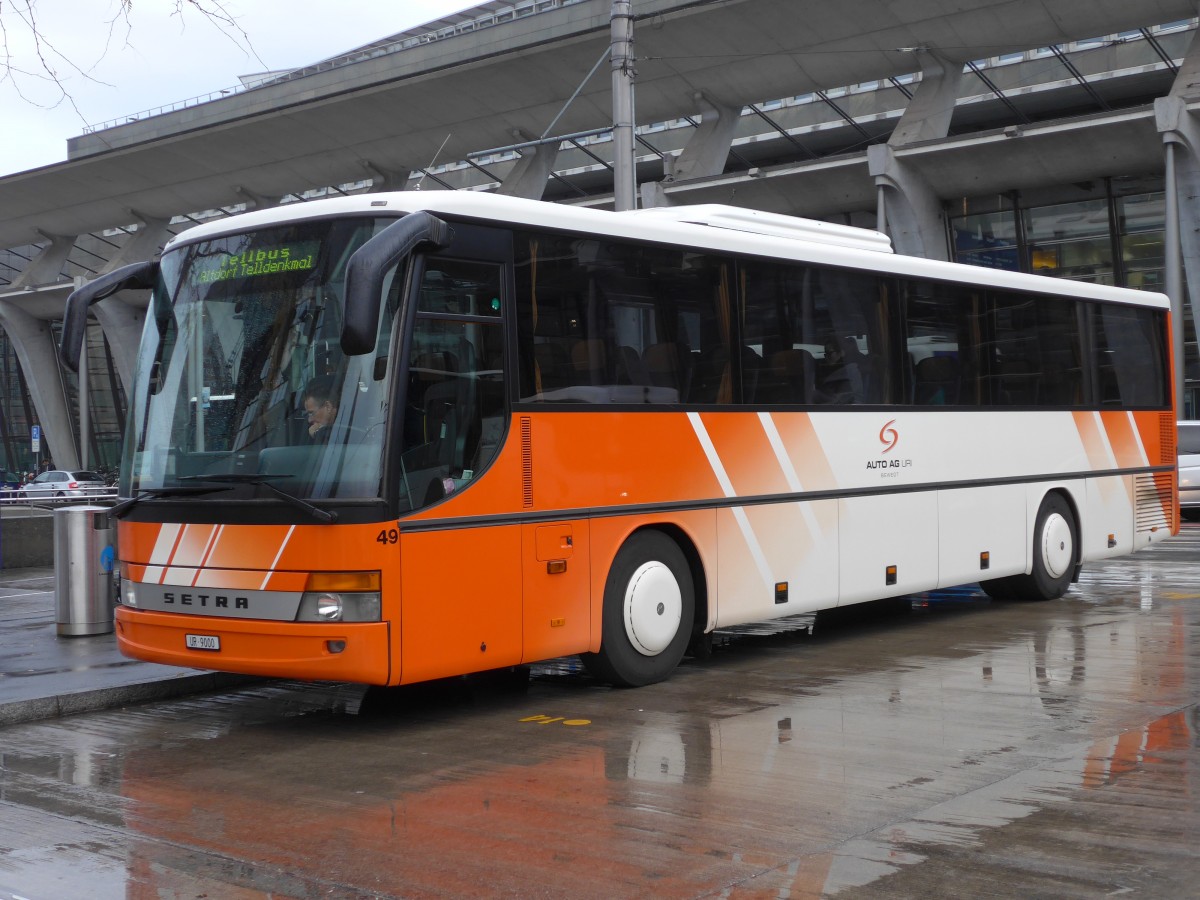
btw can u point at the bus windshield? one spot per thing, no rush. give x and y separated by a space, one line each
241 379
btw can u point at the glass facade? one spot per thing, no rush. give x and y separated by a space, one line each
1108 231
1070 240
17 414
106 404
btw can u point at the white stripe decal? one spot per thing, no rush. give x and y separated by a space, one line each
1103 432
161 554
1137 436
208 549
739 513
789 471
287 537
785 462
711 452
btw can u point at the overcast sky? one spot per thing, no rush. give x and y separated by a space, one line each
163 58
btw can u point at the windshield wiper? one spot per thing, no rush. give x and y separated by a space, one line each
321 515
124 506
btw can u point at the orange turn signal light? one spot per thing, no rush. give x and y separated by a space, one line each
345 582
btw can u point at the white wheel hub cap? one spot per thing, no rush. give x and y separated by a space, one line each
653 608
1057 550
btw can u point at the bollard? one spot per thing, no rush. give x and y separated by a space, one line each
83 563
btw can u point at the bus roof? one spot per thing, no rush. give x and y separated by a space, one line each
712 227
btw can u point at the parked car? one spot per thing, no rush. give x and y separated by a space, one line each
60 484
1189 470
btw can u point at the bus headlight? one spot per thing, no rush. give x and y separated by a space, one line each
331 606
341 597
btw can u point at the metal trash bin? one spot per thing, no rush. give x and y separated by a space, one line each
83 564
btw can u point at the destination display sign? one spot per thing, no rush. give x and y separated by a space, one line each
266 260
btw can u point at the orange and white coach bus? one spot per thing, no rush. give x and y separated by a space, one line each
395 437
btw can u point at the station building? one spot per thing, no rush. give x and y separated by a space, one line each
1045 136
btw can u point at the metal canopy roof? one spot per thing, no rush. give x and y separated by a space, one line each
492 86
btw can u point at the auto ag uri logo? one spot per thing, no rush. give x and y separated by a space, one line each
888 436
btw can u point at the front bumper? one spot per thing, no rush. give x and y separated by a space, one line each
299 650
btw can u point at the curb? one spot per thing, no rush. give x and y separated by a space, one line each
20 712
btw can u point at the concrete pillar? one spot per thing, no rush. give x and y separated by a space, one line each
705 153
915 219
386 179
47 266
928 114
708 147
144 243
907 207
624 73
37 354
121 315
33 342
1173 271
1181 148
255 200
122 326
1180 129
529 176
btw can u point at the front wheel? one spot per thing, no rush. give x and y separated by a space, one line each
649 604
1055 544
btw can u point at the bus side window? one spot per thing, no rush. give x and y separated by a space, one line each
1130 357
614 322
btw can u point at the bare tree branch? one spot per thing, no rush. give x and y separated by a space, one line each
30 57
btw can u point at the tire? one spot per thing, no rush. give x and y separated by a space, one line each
1055 551
649 605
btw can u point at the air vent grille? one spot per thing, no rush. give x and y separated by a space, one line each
1155 501
527 462
1169 438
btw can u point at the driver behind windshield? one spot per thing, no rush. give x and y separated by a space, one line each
320 407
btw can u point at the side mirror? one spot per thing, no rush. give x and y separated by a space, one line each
139 276
366 268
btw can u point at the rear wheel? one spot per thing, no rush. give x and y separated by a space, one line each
649 604
1055 547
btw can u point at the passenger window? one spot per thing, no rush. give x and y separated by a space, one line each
608 322
819 336
1034 351
942 326
1130 356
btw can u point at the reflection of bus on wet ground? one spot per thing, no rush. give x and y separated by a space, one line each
566 431
802 780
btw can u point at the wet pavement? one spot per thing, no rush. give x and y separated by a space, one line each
962 748
43 674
